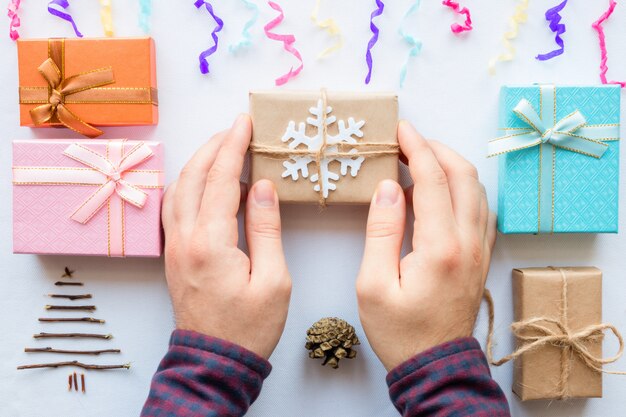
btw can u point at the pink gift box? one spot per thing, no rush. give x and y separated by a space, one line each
87 197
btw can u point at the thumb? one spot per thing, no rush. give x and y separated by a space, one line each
263 232
383 240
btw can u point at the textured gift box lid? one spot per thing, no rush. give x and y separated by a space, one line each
41 213
537 293
586 189
134 65
272 111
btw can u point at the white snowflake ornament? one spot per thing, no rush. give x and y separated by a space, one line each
299 165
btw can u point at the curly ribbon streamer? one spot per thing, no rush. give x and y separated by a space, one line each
597 25
204 55
373 39
106 17
455 27
288 41
414 43
553 16
145 11
246 38
331 28
519 17
14 6
53 6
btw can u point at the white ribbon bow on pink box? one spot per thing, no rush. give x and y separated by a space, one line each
116 176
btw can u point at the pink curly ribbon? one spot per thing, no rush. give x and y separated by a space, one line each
455 27
597 25
287 39
14 6
553 16
375 31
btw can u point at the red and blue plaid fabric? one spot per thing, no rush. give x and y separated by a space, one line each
209 377
205 376
451 380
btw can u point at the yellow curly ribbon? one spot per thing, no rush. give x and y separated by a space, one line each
519 17
106 17
331 27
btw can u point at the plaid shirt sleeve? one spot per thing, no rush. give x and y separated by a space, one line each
451 380
205 376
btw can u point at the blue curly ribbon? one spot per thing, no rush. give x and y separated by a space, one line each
246 38
414 42
64 4
368 55
553 16
145 11
204 55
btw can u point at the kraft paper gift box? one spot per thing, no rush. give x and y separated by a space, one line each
357 150
558 155
82 83
87 197
572 297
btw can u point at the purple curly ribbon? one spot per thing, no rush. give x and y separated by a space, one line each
553 16
65 16
204 55
373 40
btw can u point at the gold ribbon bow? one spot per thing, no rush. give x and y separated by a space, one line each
534 335
60 88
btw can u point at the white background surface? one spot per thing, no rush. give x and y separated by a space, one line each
448 95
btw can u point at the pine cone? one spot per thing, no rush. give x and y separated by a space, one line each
332 339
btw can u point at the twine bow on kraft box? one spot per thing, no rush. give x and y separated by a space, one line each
559 331
87 197
324 147
83 83
559 159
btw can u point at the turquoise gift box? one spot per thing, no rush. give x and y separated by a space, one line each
558 150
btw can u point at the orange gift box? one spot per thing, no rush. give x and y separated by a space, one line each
82 83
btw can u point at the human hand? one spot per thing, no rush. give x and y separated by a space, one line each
433 294
215 288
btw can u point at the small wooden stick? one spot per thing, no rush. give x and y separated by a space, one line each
73 352
70 297
69 382
68 273
74 363
60 320
77 335
75 382
62 283
82 382
75 308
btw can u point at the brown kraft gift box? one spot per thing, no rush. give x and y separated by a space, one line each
287 121
538 292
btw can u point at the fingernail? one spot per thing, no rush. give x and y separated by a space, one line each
387 194
264 194
239 119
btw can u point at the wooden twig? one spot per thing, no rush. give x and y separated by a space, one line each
82 382
73 352
69 382
62 283
75 308
76 335
69 319
75 382
74 363
70 297
68 273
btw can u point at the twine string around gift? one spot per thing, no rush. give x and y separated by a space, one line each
543 130
538 332
337 150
